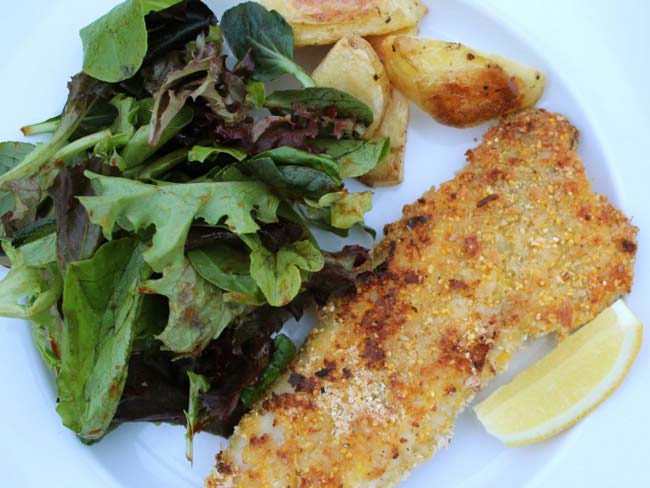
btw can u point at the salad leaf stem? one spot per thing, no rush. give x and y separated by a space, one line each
84 92
46 127
81 145
198 384
161 165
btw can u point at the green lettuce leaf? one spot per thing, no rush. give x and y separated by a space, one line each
161 165
197 310
255 93
278 273
101 305
41 252
347 209
28 290
226 267
193 418
138 149
31 290
172 209
203 153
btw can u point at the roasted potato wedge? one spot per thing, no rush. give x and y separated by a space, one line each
318 22
376 41
353 66
391 170
458 85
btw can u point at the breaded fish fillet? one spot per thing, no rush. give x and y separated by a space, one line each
515 246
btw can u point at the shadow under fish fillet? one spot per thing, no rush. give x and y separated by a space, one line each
515 246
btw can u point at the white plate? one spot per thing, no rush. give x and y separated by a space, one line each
34 447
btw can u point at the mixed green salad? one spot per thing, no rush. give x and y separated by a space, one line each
159 239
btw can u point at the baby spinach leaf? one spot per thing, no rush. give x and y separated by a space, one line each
197 310
290 156
321 99
101 304
278 273
115 45
295 182
251 27
172 208
203 153
355 157
193 418
283 353
226 267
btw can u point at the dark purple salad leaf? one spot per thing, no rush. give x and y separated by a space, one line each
170 29
77 238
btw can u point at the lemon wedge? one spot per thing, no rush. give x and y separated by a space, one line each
563 387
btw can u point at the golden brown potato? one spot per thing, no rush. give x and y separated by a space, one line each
318 22
376 41
458 85
391 170
353 66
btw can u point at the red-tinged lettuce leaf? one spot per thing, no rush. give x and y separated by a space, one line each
207 81
296 126
77 238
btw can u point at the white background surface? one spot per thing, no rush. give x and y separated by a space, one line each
599 49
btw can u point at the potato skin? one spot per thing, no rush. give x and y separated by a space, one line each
391 171
321 22
353 66
457 85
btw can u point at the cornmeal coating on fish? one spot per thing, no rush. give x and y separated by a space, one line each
515 246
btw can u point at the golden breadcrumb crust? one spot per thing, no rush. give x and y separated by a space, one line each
516 245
